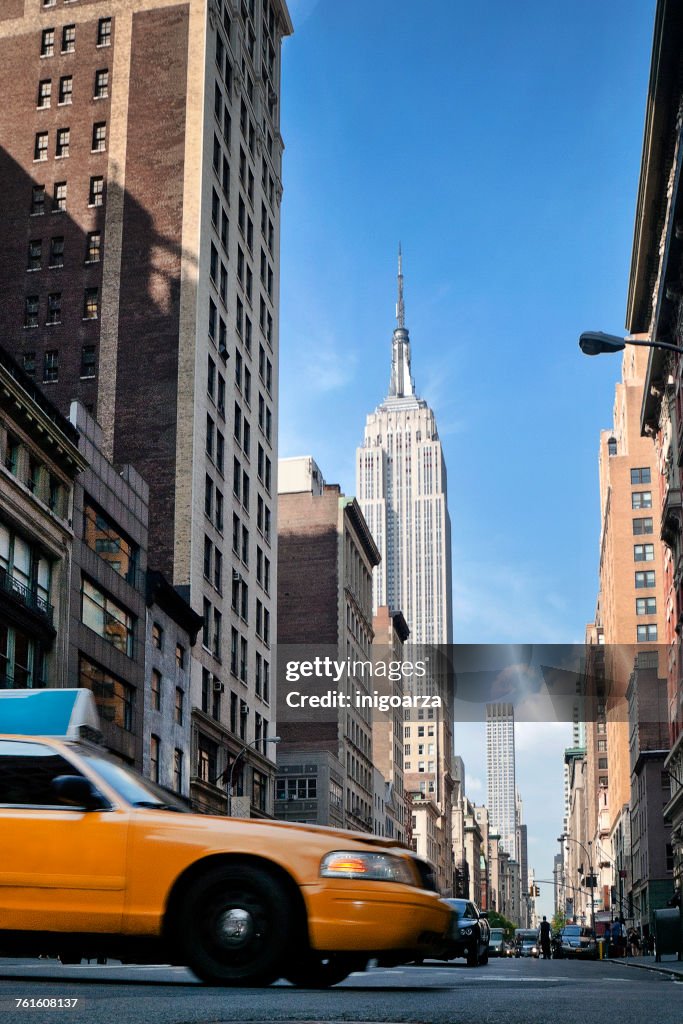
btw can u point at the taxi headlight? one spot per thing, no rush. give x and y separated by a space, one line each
373 867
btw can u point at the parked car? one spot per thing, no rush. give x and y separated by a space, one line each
526 942
96 860
575 941
469 934
497 944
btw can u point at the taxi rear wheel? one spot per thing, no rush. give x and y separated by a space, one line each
315 971
234 926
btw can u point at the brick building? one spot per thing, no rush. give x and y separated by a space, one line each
325 560
139 274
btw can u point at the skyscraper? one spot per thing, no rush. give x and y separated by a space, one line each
500 761
139 273
401 488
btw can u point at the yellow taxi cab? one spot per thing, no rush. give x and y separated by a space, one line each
97 860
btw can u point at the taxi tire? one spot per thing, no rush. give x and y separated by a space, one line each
315 971
228 888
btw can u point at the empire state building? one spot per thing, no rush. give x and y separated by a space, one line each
401 488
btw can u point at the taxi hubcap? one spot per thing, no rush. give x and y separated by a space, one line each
235 927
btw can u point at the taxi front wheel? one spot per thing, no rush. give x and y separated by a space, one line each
234 926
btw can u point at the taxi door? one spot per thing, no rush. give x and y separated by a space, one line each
61 868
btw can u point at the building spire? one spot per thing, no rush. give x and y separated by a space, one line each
400 308
401 384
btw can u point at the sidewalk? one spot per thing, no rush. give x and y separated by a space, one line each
669 966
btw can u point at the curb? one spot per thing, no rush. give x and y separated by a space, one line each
676 975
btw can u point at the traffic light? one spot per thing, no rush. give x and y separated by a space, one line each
538 891
531 890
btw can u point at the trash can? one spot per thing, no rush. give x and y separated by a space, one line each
667 932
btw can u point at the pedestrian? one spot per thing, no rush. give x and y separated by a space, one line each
608 937
616 937
544 937
633 941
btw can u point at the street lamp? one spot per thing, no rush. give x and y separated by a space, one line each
595 343
254 743
591 876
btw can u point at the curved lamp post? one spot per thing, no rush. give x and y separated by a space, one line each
595 343
565 838
254 743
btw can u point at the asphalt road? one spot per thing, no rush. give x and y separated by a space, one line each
504 992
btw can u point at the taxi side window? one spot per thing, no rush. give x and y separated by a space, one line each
27 771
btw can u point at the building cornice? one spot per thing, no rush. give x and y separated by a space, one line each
41 421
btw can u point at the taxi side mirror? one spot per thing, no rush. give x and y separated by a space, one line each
77 791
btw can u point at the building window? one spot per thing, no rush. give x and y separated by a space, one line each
66 89
157 636
641 475
29 363
641 499
155 688
207 759
206 625
47 42
87 361
219 511
101 84
208 549
44 93
104 32
31 311
642 525
645 580
99 137
644 552
177 763
646 634
90 304
179 657
234 644
68 39
57 251
51 366
59 197
115 699
106 617
602 764
37 200
96 195
62 148
154 758
40 146
646 606
217 626
93 247
103 536
54 308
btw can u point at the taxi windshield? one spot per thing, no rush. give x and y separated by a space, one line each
134 789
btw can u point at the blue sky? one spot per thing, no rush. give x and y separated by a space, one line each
501 144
